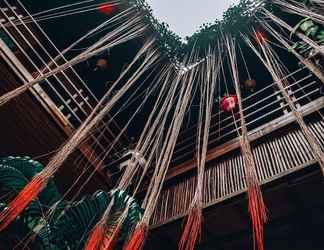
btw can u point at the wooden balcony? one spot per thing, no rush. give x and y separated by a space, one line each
278 144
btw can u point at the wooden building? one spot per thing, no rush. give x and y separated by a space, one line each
40 121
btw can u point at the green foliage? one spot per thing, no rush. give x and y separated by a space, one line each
237 19
312 30
15 173
169 42
69 223
29 168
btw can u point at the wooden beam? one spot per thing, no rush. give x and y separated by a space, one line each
253 135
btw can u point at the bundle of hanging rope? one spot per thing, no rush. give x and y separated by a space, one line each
129 30
208 80
40 181
160 134
65 10
257 207
186 80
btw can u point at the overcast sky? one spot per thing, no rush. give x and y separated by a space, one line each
185 16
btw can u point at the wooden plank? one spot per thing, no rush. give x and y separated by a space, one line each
224 198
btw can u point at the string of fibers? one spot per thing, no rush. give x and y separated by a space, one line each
256 204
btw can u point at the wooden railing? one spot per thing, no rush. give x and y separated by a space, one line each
28 50
260 108
279 146
277 154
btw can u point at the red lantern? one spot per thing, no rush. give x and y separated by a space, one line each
229 103
106 9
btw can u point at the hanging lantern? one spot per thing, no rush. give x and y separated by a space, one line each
229 103
102 64
250 84
106 9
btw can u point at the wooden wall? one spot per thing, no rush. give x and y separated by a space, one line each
27 129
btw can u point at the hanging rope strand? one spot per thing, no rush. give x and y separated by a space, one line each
82 57
269 63
100 28
39 181
209 73
299 9
64 13
309 64
161 126
138 238
257 207
146 137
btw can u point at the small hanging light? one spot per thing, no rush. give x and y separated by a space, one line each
106 9
250 84
102 64
229 103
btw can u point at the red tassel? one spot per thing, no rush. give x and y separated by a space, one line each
22 200
192 230
96 237
138 238
258 215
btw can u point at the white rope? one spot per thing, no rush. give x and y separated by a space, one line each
38 17
270 63
134 32
170 139
299 9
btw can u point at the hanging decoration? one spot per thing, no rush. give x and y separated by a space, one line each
257 208
229 103
193 228
102 64
250 84
107 9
